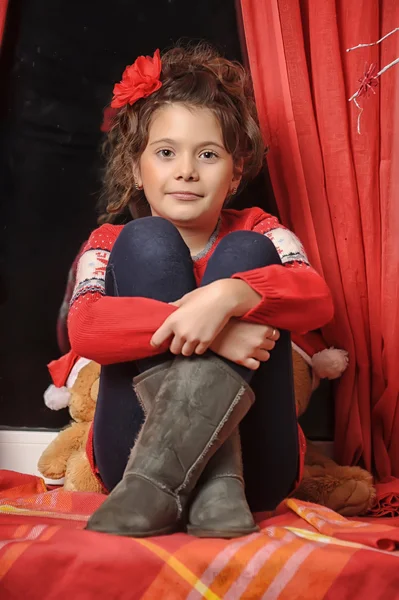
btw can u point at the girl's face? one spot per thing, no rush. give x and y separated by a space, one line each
185 169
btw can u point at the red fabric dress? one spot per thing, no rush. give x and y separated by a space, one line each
118 329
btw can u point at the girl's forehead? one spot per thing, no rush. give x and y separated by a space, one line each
180 120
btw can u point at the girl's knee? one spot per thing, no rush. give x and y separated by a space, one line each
148 226
149 237
254 248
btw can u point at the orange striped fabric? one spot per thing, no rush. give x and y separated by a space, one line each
302 551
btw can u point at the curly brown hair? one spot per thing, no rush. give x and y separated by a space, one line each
196 76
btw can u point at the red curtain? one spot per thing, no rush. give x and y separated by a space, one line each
339 190
3 11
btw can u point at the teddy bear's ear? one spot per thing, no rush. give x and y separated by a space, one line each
57 397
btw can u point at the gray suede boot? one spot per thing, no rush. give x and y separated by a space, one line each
219 507
147 385
200 403
218 504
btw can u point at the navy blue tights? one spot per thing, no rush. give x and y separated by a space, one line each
150 259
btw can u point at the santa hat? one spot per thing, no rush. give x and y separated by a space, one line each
64 372
326 363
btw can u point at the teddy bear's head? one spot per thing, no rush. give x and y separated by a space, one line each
80 392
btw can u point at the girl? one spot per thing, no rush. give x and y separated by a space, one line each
186 301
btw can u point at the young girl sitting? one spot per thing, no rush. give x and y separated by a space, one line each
188 310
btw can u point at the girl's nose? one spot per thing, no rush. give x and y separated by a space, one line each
186 168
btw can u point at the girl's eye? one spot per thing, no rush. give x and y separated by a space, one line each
209 155
165 153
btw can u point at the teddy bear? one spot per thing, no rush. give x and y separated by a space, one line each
345 489
65 457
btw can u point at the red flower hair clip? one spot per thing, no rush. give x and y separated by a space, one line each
139 80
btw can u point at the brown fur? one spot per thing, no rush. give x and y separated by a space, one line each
347 490
66 455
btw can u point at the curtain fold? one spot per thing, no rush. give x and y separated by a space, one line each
337 189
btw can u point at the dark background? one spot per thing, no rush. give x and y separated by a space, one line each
58 64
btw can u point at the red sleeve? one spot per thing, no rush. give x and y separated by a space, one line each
294 298
294 295
111 330
104 328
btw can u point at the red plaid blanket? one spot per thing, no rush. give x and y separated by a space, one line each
303 551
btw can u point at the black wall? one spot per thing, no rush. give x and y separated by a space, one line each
59 62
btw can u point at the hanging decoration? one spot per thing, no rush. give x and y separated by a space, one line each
369 81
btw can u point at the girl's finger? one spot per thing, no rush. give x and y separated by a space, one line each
188 348
262 355
251 363
162 334
268 344
274 334
201 348
177 345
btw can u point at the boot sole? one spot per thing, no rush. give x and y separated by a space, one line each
141 534
224 534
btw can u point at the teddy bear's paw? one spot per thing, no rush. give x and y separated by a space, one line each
352 497
79 476
346 490
52 469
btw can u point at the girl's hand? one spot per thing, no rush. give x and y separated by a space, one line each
202 314
246 344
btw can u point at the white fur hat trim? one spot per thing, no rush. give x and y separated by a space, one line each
59 397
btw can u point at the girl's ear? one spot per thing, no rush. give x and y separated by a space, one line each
137 176
237 174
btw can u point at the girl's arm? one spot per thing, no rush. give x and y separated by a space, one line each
104 328
293 295
288 296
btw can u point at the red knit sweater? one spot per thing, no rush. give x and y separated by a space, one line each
118 329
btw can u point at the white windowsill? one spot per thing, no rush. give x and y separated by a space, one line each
21 449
